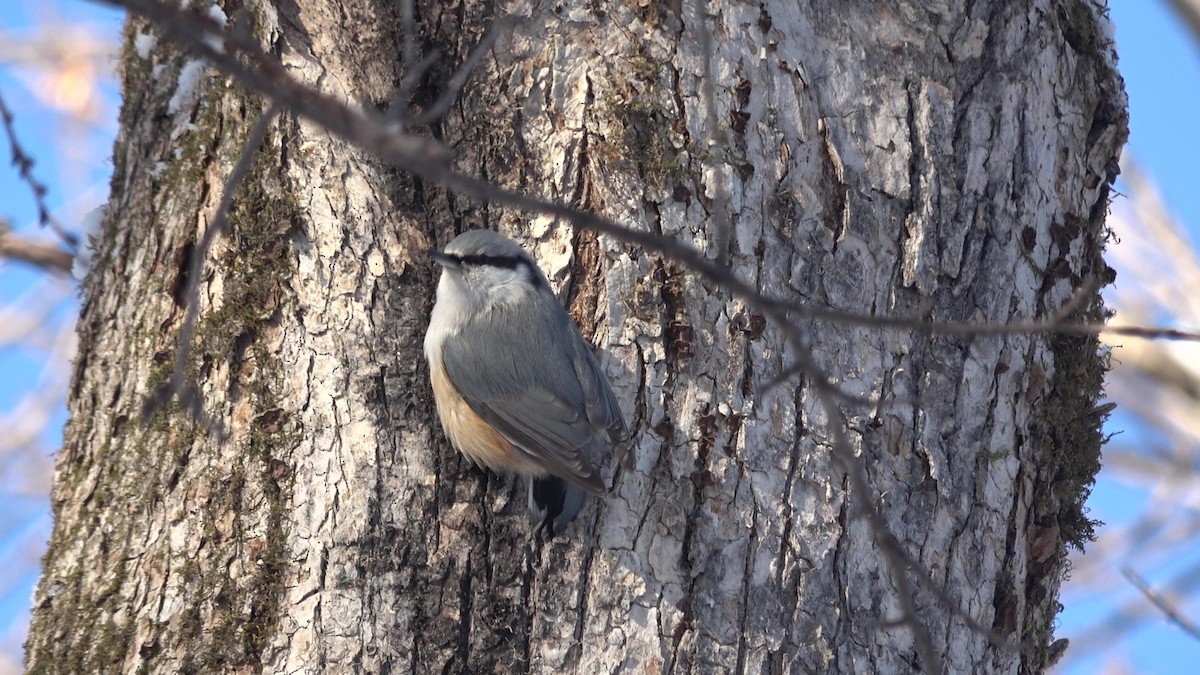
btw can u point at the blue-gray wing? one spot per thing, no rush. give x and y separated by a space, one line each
535 380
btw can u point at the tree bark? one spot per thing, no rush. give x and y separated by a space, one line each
879 158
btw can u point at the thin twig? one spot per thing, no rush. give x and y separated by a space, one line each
1189 11
414 70
189 397
1163 603
1127 617
721 223
264 74
408 26
246 62
459 79
24 164
897 560
430 160
398 109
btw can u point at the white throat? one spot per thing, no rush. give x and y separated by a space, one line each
451 310
457 302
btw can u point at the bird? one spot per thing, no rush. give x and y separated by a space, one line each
516 387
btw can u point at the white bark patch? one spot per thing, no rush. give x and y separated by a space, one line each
188 85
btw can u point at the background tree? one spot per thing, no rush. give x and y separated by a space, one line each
789 147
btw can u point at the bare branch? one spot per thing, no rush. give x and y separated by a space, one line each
398 109
189 397
1162 602
899 561
35 253
429 159
265 75
893 553
1189 11
24 164
720 210
408 24
376 133
459 79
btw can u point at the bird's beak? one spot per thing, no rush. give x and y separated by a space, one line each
448 261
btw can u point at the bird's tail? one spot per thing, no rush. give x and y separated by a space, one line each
554 503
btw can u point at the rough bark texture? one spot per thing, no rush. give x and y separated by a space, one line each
883 158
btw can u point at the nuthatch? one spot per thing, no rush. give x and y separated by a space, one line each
516 387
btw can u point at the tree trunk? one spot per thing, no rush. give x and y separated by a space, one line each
878 158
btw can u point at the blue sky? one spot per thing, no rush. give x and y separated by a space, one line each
1162 73
1161 67
77 179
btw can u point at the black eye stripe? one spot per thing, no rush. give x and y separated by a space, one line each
508 262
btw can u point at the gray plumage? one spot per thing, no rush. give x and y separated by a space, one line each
515 356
